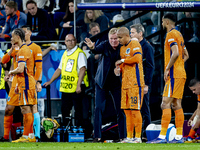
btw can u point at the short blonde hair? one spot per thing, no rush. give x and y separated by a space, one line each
112 31
97 14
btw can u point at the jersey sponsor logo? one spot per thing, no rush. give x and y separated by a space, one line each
137 48
39 54
21 56
170 40
128 51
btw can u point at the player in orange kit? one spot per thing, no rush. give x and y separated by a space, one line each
132 83
25 84
37 56
175 54
13 99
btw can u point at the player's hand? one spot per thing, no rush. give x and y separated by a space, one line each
78 89
6 78
16 89
117 71
38 87
117 63
189 122
166 74
146 88
47 83
10 73
89 43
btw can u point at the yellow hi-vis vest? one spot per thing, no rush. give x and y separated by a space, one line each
2 81
69 74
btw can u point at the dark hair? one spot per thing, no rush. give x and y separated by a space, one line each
31 2
12 4
93 24
170 16
193 82
20 32
27 27
68 13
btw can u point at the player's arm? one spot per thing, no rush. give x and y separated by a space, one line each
186 55
6 58
19 69
131 60
175 54
38 71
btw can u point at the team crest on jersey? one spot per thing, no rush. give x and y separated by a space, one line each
128 51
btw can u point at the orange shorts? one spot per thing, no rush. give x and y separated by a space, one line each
27 97
132 98
13 99
174 88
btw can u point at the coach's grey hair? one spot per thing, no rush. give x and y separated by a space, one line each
139 28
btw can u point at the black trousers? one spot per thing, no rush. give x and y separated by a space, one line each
69 100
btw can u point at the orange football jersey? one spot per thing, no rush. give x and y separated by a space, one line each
36 52
25 79
198 98
174 37
132 74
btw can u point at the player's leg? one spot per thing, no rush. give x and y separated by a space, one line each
179 118
12 101
129 122
36 122
177 107
8 120
136 96
191 136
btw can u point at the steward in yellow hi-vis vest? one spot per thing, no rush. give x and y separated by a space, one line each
69 74
2 82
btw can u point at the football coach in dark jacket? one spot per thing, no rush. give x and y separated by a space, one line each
107 82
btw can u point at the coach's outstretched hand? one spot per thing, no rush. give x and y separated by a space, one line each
89 43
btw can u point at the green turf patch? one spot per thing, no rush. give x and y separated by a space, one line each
96 146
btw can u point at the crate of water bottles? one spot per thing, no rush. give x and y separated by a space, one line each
68 134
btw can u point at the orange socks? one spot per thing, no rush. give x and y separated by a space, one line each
133 119
166 118
8 120
31 129
28 123
179 120
192 133
137 119
129 123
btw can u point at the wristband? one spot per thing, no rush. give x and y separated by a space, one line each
40 81
122 60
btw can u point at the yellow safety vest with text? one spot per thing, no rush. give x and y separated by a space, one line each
69 74
2 82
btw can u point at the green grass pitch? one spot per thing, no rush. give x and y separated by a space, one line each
97 146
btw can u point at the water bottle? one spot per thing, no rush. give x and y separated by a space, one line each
80 130
55 135
58 135
75 130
